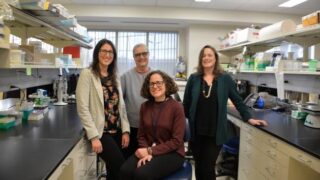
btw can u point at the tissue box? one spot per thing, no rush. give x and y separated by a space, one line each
311 19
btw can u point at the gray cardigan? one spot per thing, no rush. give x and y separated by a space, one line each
226 89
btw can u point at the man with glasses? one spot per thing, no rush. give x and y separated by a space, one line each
131 82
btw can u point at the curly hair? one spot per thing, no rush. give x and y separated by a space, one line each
171 86
217 68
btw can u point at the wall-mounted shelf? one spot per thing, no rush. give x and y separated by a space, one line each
284 72
38 66
39 26
305 37
260 72
302 73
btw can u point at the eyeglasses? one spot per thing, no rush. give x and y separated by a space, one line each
157 83
106 52
143 54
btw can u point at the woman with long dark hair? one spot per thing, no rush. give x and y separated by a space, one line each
101 107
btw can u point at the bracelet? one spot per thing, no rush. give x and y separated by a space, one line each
149 150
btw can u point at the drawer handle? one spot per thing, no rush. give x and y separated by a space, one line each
272 154
305 161
249 139
248 153
270 171
245 171
273 143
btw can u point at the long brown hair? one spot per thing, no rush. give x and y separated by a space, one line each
171 86
217 68
112 68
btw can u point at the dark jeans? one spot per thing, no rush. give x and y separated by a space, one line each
159 167
205 153
112 154
133 144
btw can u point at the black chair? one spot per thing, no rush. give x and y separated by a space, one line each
228 166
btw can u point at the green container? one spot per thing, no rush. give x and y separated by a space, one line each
313 65
25 116
6 123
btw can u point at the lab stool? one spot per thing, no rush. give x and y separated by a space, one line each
101 170
228 166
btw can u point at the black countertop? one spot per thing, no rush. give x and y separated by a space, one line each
292 131
32 151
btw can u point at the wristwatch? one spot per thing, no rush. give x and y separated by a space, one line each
149 150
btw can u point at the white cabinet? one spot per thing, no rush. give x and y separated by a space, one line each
80 164
263 156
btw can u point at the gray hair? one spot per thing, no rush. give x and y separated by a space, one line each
140 45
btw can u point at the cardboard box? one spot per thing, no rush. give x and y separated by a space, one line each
247 35
32 54
73 50
311 19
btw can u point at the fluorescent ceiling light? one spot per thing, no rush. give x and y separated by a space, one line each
291 3
202 0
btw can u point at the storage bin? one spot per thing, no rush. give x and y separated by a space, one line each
313 63
247 35
6 123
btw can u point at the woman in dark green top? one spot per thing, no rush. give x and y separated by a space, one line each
205 104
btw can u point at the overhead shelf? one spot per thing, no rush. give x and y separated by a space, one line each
305 37
36 24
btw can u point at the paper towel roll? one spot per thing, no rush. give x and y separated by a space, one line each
277 29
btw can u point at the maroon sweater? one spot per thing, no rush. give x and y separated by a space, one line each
169 129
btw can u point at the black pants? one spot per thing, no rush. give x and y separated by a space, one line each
133 145
112 154
159 167
205 153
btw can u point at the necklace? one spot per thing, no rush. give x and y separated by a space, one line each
209 92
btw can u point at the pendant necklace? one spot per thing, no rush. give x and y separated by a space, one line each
204 91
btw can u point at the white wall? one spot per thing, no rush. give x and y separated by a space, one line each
201 35
197 27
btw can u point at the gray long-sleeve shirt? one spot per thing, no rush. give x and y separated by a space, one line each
131 83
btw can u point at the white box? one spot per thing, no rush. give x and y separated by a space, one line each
247 35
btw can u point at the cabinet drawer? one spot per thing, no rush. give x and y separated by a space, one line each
306 159
272 169
63 171
247 172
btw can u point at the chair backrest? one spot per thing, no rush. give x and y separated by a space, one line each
187 133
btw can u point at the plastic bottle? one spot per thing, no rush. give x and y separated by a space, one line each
181 68
260 103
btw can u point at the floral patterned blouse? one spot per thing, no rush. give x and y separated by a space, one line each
111 103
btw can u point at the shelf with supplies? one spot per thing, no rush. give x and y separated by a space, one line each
39 24
305 37
284 72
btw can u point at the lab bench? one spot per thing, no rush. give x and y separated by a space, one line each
50 148
285 149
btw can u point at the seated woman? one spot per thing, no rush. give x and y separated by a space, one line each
160 134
